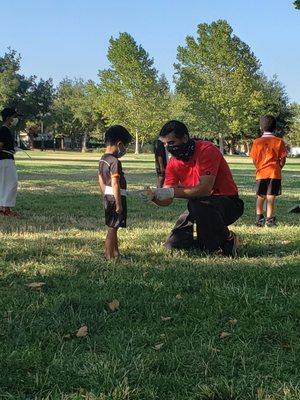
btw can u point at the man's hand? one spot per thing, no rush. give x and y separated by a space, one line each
147 195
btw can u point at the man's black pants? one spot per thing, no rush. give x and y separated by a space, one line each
212 215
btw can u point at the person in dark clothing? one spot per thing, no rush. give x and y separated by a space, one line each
161 161
113 185
198 172
8 172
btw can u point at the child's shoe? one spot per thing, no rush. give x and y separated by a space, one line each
271 222
260 221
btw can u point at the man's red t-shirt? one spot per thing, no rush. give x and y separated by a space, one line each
207 160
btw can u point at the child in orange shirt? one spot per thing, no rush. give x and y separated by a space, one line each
268 154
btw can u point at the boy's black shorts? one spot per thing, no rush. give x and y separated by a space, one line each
112 219
268 186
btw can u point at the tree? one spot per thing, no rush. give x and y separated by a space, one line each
37 103
9 80
75 111
293 133
297 4
131 92
276 102
30 97
217 73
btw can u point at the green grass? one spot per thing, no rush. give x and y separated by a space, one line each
59 241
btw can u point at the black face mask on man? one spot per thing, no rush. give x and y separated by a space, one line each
182 151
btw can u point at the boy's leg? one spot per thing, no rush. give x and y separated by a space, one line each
274 190
261 191
260 219
270 205
260 205
111 243
270 221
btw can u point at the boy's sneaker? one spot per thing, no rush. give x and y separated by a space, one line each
260 221
271 222
230 247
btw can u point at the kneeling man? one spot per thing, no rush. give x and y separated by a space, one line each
198 172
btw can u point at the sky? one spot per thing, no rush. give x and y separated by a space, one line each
69 38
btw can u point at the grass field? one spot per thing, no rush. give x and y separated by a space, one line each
164 341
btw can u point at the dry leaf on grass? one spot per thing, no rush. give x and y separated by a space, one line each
224 335
166 318
36 285
233 321
67 336
158 346
286 242
179 296
82 332
114 305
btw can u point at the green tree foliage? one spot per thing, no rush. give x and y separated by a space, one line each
75 112
130 92
217 73
293 133
297 4
31 97
9 77
276 102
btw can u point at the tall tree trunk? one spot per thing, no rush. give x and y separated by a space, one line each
137 149
84 142
232 146
221 143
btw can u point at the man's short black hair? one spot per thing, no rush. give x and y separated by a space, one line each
178 128
117 133
268 123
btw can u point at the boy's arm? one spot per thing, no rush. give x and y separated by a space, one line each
115 183
253 153
161 164
283 154
101 184
282 162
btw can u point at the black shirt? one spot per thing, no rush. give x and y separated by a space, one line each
160 151
110 166
8 140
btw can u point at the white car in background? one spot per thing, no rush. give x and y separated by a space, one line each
294 152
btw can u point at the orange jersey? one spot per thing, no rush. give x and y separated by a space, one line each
266 152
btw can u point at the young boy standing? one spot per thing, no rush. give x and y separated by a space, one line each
113 185
268 154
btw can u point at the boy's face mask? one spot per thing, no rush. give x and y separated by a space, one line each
121 151
14 121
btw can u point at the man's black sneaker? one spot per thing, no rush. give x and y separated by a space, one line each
271 222
230 247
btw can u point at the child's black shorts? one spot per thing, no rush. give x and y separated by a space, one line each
112 219
268 186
